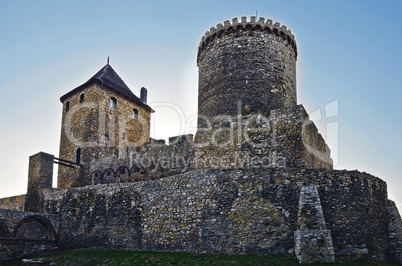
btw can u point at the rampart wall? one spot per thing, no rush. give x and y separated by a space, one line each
26 233
15 203
230 211
153 160
283 138
12 220
394 232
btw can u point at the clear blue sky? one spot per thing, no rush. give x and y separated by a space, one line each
349 51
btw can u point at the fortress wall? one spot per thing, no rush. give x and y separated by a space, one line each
354 206
11 249
151 161
99 216
11 218
15 203
284 138
395 232
26 233
158 160
298 138
224 211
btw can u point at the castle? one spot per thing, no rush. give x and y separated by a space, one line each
256 178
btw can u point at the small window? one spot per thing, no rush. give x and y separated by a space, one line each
67 106
124 136
78 156
113 102
82 98
135 114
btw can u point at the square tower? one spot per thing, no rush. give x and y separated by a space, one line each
101 120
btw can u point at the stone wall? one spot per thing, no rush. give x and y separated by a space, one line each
151 161
15 203
12 220
284 138
395 232
17 248
231 211
26 233
351 201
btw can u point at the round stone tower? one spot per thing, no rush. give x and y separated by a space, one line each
249 62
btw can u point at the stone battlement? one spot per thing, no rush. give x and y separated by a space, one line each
252 25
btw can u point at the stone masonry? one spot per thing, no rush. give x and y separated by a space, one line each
250 62
395 232
26 233
256 178
15 203
234 211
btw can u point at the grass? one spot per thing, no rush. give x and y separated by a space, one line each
92 256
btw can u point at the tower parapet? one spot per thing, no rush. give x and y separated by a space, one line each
227 27
253 62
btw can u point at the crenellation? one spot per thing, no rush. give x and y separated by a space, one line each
268 23
253 23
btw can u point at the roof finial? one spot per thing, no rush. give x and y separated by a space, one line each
108 60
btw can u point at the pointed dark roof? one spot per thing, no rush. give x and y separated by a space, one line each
109 78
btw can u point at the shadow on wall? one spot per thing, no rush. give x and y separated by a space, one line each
4 233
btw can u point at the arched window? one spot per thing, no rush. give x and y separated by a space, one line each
82 98
67 106
135 114
78 156
113 102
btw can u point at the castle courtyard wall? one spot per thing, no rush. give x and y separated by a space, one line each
232 211
26 233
